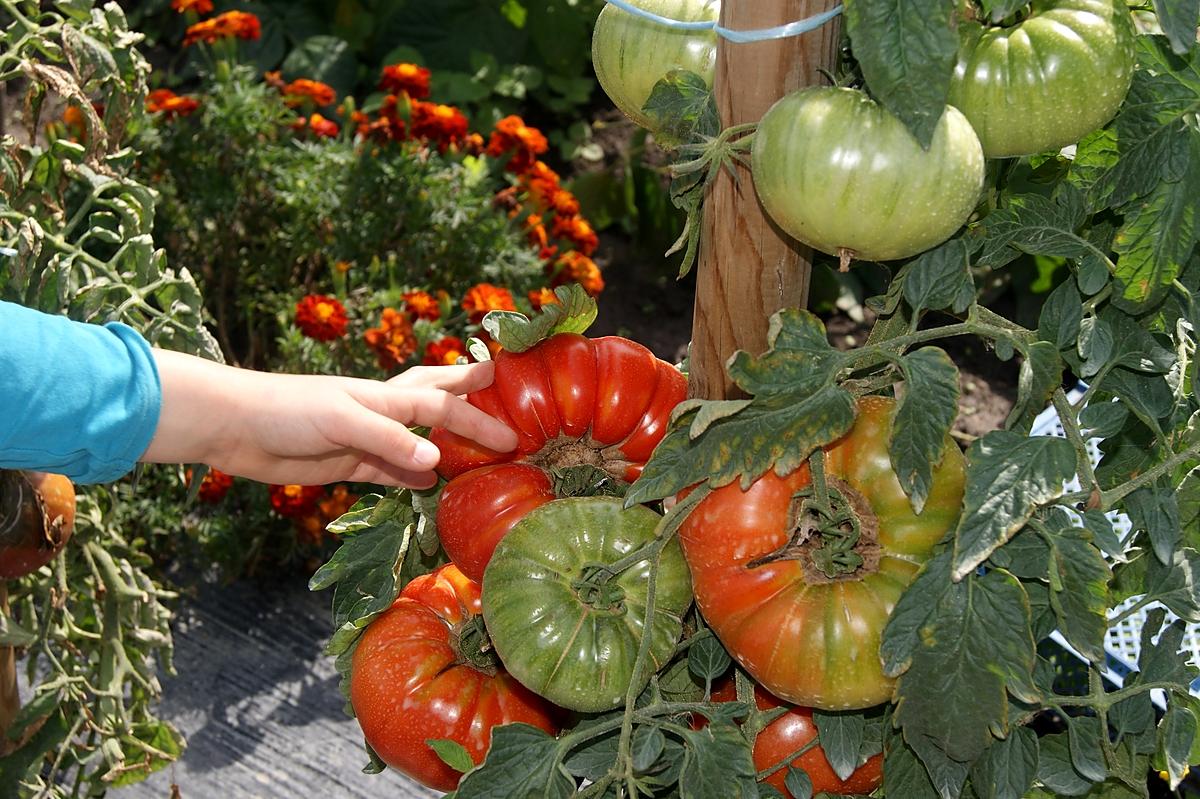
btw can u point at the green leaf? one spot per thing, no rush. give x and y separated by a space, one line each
1177 584
1179 19
904 775
16 766
1083 741
1095 345
1055 770
841 736
1061 316
799 358
707 659
1008 767
901 635
452 753
1103 419
1041 373
573 313
798 783
1149 397
1135 347
1176 734
324 58
974 642
593 759
1164 659
907 52
1155 510
1036 225
647 747
1008 477
940 278
997 11
717 763
522 761
922 421
13 634
1079 590
682 108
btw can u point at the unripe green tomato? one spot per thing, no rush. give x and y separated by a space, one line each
631 54
1047 81
841 174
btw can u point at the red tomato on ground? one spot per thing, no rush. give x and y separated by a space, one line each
573 401
424 670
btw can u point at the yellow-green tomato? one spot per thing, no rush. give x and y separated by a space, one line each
631 54
1046 82
566 628
838 172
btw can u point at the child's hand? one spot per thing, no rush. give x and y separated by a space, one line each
313 430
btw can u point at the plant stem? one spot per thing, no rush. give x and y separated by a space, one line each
1070 425
1109 699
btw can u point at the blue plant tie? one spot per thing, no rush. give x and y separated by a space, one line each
740 37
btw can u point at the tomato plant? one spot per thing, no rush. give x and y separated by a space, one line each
37 517
576 403
565 598
423 671
1044 82
631 54
799 587
841 174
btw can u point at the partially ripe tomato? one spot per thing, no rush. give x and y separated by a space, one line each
807 629
787 734
1047 81
573 402
838 172
631 54
424 670
37 517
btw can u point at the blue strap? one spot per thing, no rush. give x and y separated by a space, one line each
740 37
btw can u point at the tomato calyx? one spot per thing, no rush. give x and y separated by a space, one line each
596 589
581 468
473 647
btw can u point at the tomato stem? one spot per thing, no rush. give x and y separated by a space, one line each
473 647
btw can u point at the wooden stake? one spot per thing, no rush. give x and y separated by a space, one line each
748 268
10 698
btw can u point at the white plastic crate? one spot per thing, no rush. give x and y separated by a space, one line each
1124 639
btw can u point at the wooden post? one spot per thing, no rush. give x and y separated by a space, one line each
10 698
748 268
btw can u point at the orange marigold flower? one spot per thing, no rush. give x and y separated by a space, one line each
474 144
338 502
535 232
542 297
320 317
445 351
342 267
576 230
310 529
564 203
322 126
275 79
240 24
524 143
393 341
303 89
485 297
214 486
167 102
294 501
199 6
575 267
422 305
408 79
443 124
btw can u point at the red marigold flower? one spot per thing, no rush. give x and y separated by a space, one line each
393 341
167 102
408 79
513 136
199 6
445 351
322 126
542 297
422 305
575 267
564 203
485 297
576 230
442 124
214 486
302 89
474 144
310 529
240 24
320 317
294 501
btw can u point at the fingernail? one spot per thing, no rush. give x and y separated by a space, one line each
426 454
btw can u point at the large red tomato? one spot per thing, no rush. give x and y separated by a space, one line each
424 670
37 517
789 733
573 401
810 637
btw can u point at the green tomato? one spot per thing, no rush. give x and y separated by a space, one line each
1047 81
841 174
559 628
631 54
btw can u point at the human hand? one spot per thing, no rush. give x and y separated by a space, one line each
313 430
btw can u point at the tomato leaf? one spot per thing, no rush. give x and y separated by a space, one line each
647 747
975 641
1177 584
940 278
1179 19
923 419
573 313
1083 740
522 761
798 783
707 658
1155 510
841 736
682 108
1041 373
1061 315
1079 588
452 753
1008 767
1103 419
901 635
903 772
1055 769
1036 225
907 52
594 758
799 358
717 763
1176 733
998 10
1095 345
1008 477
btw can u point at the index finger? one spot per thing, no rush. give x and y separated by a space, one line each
438 408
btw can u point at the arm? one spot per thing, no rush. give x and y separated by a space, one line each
315 429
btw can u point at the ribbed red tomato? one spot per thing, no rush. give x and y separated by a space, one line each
37 517
425 670
789 733
573 401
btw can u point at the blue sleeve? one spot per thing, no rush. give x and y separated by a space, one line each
76 399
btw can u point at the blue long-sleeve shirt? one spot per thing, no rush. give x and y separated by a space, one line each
76 399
